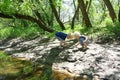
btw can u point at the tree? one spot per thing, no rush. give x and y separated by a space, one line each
111 10
22 10
56 15
119 15
88 6
29 18
73 19
103 13
84 13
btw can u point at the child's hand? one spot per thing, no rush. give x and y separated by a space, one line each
74 45
66 43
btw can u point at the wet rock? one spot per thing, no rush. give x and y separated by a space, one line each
27 56
70 58
36 49
12 42
9 51
2 77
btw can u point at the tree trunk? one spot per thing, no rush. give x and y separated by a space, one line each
47 17
29 18
39 16
84 13
103 14
59 10
73 20
74 4
119 15
111 10
56 14
88 6
77 14
51 19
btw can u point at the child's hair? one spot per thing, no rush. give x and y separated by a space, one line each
76 33
70 34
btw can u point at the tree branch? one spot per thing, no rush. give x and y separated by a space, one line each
29 18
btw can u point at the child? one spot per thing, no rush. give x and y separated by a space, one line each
61 37
81 40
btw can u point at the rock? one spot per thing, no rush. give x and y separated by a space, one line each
100 59
27 56
9 51
70 51
2 77
36 49
70 58
96 77
12 42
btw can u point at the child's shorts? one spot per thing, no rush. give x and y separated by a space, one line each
58 38
81 41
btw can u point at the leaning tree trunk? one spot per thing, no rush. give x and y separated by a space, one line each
29 18
77 14
119 15
103 15
84 13
111 10
88 6
73 20
56 15
83 21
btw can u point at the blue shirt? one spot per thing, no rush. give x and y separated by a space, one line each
61 35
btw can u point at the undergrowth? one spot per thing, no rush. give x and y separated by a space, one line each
110 33
107 32
24 32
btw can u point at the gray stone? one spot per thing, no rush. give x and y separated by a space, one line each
9 51
103 60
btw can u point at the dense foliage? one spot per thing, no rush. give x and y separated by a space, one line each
27 18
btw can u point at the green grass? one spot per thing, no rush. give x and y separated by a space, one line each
105 28
24 32
107 31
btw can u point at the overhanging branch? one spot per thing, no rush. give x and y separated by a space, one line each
29 18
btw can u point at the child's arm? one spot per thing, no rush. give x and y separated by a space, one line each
63 43
85 39
76 44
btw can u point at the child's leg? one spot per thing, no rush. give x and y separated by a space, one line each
61 41
85 45
64 43
60 46
82 46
